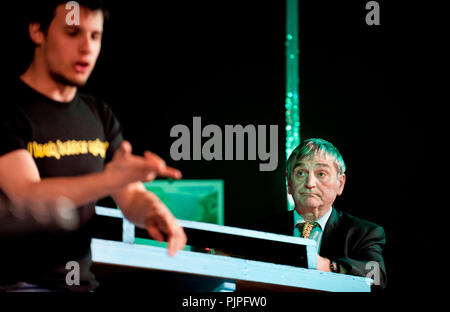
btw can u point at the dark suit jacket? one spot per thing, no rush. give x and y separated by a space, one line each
350 241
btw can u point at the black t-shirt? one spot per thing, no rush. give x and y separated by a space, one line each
64 139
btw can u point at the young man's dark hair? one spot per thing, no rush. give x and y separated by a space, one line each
43 12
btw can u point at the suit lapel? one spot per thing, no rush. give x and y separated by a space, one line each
328 241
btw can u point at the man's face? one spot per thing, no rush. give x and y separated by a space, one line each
314 184
71 51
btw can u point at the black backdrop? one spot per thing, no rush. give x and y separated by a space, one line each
162 64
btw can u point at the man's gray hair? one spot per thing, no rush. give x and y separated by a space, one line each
313 147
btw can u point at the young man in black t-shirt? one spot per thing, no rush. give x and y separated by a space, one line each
58 143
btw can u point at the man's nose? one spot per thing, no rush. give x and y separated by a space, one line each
310 182
86 45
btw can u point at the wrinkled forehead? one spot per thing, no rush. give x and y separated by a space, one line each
316 155
315 158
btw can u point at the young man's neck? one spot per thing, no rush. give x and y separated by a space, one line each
40 80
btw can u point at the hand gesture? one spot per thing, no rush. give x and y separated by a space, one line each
125 168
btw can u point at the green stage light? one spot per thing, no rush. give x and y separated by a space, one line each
292 103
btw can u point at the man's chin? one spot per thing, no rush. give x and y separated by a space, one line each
310 203
72 82
308 208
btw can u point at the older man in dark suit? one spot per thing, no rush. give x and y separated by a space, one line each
346 244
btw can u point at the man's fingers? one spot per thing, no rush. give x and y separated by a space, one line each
147 168
126 147
155 159
176 237
149 177
155 233
177 241
161 167
170 172
163 224
124 150
172 247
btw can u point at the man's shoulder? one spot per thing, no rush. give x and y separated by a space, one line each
359 224
92 100
96 104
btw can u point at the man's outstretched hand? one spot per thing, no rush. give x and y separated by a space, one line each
125 168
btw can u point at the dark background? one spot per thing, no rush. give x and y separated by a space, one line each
162 64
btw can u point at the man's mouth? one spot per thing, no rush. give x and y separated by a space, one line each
309 194
81 67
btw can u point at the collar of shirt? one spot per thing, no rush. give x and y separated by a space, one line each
322 220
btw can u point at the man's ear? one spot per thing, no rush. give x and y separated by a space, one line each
341 184
36 33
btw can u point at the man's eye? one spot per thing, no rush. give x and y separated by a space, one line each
96 36
72 33
322 174
301 173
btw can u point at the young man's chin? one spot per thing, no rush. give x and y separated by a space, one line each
73 82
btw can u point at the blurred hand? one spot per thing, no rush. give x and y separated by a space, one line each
161 224
125 168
